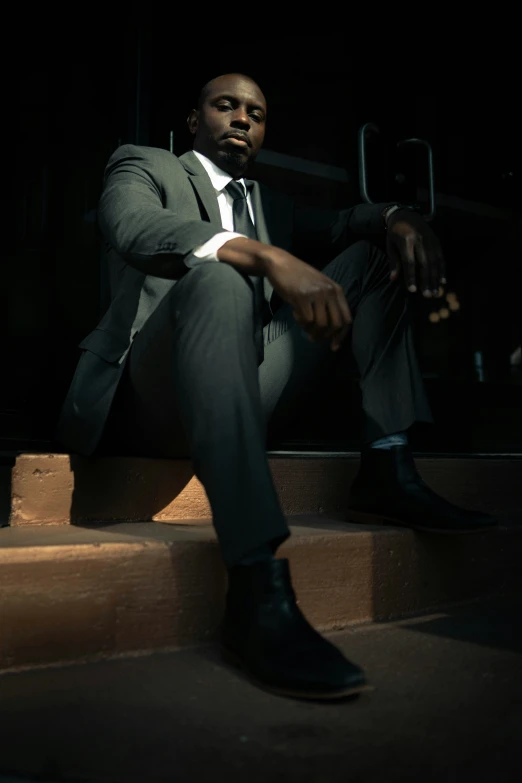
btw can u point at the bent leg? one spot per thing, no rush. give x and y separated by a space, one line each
192 390
381 340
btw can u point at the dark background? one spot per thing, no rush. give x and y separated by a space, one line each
81 86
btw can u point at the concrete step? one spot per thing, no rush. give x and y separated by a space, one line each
51 489
69 593
445 707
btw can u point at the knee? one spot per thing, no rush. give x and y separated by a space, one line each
363 255
357 257
209 286
220 277
364 250
362 246
360 267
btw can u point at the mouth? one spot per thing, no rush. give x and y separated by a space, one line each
238 139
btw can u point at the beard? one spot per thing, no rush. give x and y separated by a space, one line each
233 161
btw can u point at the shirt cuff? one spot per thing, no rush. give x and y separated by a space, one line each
208 251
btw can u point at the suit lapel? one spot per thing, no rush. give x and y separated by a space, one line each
205 190
202 185
207 195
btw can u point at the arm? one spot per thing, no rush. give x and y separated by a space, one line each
319 304
334 229
133 220
410 242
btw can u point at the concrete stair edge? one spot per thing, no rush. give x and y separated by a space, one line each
70 594
54 489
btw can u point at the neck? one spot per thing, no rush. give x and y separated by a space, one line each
231 162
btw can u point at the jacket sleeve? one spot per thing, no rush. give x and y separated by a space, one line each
332 230
132 217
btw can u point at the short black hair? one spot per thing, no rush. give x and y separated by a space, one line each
204 90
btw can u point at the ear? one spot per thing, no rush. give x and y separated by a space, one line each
192 121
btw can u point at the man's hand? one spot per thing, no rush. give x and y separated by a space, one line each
320 306
319 303
412 244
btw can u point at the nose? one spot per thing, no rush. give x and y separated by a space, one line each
241 118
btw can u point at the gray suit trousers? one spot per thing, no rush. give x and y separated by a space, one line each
192 386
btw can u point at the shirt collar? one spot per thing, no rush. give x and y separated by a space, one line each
218 177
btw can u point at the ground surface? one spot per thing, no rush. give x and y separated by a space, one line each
447 706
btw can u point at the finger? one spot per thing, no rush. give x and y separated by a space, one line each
434 257
394 260
436 265
395 266
338 340
321 315
336 321
328 317
304 314
424 269
307 320
338 312
343 320
317 327
305 325
408 259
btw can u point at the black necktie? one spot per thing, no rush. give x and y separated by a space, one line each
242 220
243 225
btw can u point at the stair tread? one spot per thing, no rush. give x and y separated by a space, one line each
77 592
302 525
160 533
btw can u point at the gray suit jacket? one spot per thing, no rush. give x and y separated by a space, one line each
154 211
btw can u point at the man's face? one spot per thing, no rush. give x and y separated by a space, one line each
229 127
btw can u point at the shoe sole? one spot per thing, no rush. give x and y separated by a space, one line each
368 518
346 693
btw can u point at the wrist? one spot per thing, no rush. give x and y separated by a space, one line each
387 212
393 209
246 254
265 257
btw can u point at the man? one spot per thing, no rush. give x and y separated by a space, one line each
200 260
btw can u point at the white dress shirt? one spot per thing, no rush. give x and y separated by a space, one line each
219 179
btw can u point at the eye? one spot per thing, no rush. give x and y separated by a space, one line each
223 106
257 117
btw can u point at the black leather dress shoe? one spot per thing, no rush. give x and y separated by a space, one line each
388 490
265 634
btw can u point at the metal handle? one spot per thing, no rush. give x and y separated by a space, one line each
364 131
371 128
431 187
